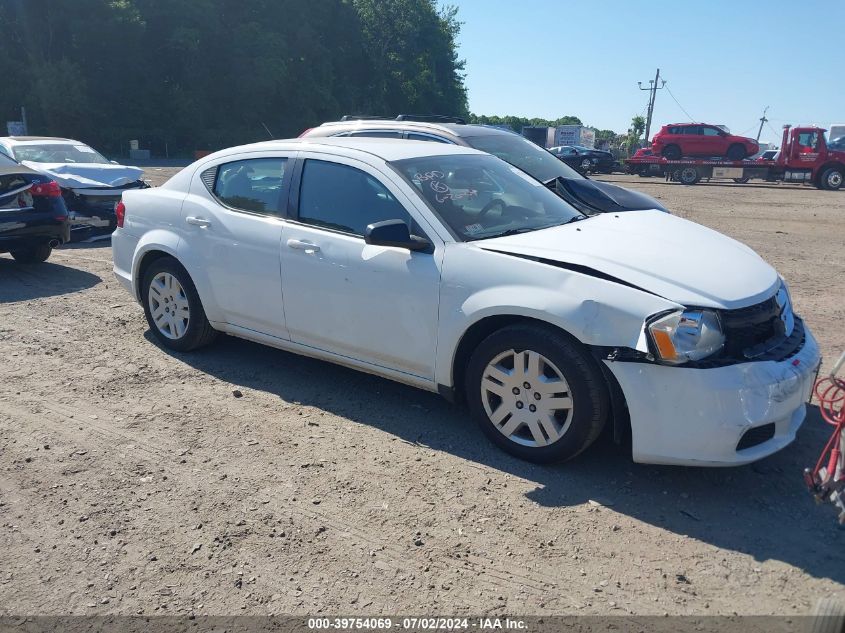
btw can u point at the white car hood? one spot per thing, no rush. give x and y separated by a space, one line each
657 252
86 175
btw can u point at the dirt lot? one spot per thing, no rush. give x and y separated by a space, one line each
132 480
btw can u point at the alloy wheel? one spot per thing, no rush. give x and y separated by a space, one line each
527 398
169 305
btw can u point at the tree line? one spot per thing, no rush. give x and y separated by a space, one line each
204 74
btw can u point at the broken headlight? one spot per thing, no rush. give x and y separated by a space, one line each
686 335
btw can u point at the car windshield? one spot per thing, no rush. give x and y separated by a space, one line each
837 143
480 197
724 128
5 161
58 153
522 153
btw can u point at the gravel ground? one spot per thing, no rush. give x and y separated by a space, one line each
133 480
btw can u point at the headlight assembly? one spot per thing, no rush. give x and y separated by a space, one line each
686 335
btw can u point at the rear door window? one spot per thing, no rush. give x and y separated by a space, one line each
254 185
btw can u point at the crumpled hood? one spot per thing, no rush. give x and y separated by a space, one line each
83 175
657 252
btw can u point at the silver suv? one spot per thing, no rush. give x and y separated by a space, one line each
588 196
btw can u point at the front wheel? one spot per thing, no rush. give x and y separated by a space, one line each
34 255
173 307
536 393
831 179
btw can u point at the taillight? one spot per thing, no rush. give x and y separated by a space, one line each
305 132
120 213
47 190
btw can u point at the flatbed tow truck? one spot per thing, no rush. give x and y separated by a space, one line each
804 158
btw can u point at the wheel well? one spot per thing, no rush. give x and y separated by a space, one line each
820 171
146 261
477 332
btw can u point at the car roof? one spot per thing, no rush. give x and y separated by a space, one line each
455 129
20 140
386 149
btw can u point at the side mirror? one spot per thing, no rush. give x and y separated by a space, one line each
394 233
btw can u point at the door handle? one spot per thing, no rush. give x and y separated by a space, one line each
308 247
197 221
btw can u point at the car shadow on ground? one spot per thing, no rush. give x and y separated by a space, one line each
762 510
22 282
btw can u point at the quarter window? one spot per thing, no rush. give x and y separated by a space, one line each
345 199
254 185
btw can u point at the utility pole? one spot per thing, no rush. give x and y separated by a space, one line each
653 87
763 119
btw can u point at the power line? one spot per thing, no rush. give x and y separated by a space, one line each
679 104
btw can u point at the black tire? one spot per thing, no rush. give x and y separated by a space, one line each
742 181
587 389
828 616
736 152
198 332
689 176
34 255
832 179
671 152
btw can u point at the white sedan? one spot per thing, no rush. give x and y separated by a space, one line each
445 268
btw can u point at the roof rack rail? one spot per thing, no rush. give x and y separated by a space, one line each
363 117
431 118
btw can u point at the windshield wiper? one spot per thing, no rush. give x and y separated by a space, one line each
523 229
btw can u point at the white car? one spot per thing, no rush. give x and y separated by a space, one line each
445 268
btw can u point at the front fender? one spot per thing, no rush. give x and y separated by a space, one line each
595 311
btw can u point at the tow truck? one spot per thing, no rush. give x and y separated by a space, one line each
804 158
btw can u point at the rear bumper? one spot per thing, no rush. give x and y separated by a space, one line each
697 417
123 252
14 236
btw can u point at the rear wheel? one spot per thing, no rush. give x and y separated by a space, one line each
737 152
34 255
689 176
586 164
173 307
831 179
742 181
672 152
536 393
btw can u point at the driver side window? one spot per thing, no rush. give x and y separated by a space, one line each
346 199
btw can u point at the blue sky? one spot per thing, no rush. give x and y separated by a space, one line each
723 61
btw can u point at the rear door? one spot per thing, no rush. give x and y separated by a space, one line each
714 143
692 144
232 228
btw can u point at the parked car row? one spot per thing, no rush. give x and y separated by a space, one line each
89 184
438 265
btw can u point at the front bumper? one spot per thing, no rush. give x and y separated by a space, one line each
697 417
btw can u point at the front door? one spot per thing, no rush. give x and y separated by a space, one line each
374 304
233 228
